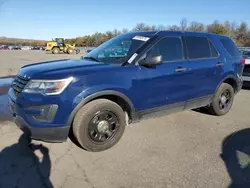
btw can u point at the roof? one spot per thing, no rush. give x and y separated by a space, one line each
165 32
145 33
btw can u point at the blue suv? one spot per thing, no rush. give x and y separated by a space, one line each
130 77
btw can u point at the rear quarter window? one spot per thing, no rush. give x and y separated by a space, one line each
230 47
214 52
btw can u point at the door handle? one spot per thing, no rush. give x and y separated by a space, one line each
219 64
180 69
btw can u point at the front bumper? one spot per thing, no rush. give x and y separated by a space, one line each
41 121
48 134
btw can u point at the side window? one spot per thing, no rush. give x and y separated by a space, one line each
231 48
214 52
198 47
169 47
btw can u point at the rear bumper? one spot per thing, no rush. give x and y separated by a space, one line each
239 83
47 134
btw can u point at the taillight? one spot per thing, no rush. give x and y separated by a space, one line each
243 62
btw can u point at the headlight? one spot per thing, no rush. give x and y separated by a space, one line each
47 87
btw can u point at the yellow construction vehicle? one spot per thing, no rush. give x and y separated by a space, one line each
56 46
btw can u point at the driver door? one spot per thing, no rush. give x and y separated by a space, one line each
164 85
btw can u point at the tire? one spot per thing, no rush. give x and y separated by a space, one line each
77 51
89 116
215 107
70 51
55 50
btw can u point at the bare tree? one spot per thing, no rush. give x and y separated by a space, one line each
173 28
183 24
98 39
243 34
231 28
161 27
139 27
116 32
109 34
227 26
147 28
144 27
217 28
196 26
153 27
125 30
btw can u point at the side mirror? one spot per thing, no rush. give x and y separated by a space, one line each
151 60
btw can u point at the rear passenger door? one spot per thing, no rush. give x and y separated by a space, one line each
204 64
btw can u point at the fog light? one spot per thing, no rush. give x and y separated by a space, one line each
44 113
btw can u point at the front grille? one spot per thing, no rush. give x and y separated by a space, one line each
19 83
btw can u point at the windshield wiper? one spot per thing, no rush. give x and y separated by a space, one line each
91 58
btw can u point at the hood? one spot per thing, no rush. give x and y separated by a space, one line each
59 66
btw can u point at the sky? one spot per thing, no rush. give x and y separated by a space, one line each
47 19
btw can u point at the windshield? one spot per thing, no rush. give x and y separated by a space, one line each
118 49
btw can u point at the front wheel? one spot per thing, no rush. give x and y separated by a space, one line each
99 125
70 50
223 100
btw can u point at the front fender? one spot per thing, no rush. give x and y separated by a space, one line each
88 95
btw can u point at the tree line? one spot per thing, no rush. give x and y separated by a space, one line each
23 42
239 32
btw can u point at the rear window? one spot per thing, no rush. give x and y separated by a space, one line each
198 47
230 47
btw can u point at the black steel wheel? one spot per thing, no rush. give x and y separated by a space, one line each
103 126
223 100
99 125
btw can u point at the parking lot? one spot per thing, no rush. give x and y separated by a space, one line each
11 61
188 149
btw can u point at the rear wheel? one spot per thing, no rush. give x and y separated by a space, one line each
223 100
99 125
55 50
70 51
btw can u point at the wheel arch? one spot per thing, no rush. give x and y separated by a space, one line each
231 80
55 47
115 96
